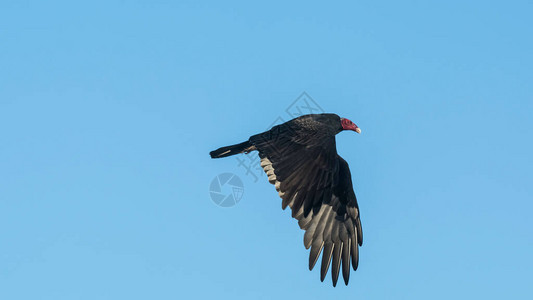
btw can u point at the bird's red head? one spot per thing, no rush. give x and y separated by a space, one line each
349 125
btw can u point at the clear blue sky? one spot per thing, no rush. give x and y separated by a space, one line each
108 110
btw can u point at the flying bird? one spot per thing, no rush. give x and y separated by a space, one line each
301 160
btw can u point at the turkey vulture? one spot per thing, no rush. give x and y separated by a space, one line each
301 160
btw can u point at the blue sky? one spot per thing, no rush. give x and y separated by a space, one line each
108 110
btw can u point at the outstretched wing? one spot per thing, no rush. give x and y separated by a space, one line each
316 184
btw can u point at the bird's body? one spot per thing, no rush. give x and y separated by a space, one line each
301 160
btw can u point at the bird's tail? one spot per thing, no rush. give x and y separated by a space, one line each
231 150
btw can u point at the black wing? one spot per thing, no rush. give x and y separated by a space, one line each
316 184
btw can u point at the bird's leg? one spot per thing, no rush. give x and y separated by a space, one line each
249 149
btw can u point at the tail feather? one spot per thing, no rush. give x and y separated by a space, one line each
230 150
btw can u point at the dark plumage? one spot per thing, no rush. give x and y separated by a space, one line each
301 160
